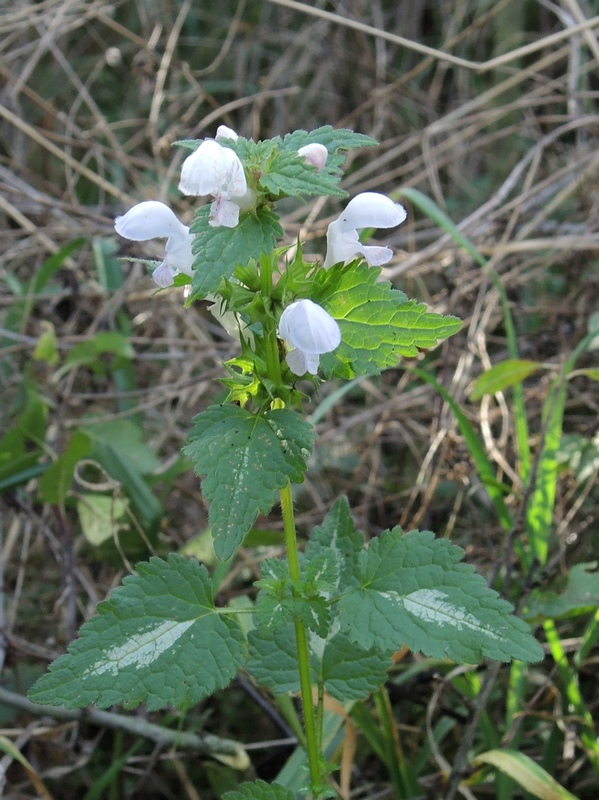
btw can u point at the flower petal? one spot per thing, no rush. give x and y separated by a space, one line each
149 220
223 213
178 253
314 154
371 210
342 245
365 210
224 132
376 256
308 327
164 275
213 169
300 362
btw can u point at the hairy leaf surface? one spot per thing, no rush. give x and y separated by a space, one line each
347 671
412 590
378 323
259 790
219 250
246 459
288 174
158 639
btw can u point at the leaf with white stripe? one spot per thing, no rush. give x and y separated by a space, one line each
412 589
159 638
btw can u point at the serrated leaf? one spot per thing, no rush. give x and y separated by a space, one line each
333 139
259 790
351 673
158 639
337 537
289 175
246 459
378 324
346 670
413 591
502 376
219 250
281 601
580 595
525 772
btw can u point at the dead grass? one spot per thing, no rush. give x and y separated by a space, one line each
496 118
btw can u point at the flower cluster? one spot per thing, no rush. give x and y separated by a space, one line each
215 170
306 327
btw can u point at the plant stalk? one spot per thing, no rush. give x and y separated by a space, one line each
301 638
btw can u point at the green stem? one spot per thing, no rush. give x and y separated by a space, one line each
271 346
301 638
273 364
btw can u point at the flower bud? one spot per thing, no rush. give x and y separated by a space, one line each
314 154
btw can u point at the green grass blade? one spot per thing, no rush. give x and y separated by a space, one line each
569 677
527 773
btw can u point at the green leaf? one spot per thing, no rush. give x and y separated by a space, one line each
346 670
126 437
51 266
501 376
351 673
338 538
593 374
100 516
525 772
46 348
413 591
289 175
282 601
246 459
377 322
88 353
57 479
334 139
22 445
539 510
259 790
580 596
219 250
119 450
158 639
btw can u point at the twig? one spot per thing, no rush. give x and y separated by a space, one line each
207 744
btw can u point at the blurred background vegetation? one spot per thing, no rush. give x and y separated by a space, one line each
490 109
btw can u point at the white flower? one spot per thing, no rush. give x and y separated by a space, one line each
154 220
216 170
314 154
310 331
223 132
366 210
